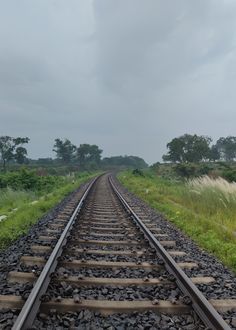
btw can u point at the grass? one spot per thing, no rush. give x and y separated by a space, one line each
11 199
19 222
205 209
214 198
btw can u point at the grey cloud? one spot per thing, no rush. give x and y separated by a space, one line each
16 70
159 42
128 75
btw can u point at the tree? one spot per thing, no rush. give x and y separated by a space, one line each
124 161
20 155
226 147
176 150
65 150
89 156
188 148
214 153
11 149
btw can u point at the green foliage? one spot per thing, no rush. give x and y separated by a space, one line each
229 174
190 170
204 169
64 150
185 170
188 148
205 210
124 161
214 153
225 165
137 172
11 149
194 148
226 148
163 170
29 180
11 199
155 167
19 221
20 155
89 156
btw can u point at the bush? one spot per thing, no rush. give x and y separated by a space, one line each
204 169
185 170
137 172
229 175
190 170
29 180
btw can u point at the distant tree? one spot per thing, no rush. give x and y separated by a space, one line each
214 154
20 155
89 156
64 150
188 148
176 150
44 161
125 161
11 149
226 147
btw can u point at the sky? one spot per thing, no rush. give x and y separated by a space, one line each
127 75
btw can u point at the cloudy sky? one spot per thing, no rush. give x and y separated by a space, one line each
128 75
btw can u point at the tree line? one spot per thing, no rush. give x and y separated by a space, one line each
194 149
183 149
85 156
89 156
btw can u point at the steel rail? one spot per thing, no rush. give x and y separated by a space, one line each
202 307
29 311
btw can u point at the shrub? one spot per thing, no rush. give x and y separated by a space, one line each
29 180
137 172
229 175
204 169
185 170
190 170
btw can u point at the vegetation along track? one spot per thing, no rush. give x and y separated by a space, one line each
104 263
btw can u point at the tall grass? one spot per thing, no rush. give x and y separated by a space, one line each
212 197
215 185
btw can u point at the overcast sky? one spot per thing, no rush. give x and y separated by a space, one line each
127 75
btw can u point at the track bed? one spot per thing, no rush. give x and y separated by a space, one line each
108 273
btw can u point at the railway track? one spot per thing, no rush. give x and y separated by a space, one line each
103 256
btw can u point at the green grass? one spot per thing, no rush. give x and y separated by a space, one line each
19 222
200 213
12 199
